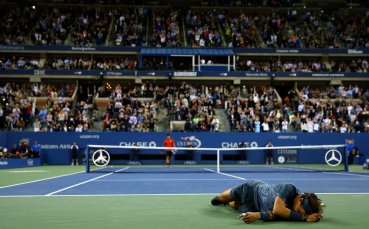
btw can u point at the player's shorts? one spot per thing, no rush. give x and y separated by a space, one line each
245 193
168 153
74 154
268 153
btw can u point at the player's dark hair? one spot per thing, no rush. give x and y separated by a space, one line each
314 202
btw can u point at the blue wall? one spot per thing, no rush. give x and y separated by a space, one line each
55 146
17 163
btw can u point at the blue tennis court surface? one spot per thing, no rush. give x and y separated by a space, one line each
187 180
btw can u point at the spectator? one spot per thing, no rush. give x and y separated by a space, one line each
14 152
269 153
75 153
242 153
354 153
129 26
36 150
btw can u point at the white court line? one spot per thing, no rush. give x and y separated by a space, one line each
225 174
26 171
291 168
271 179
84 182
189 179
49 178
350 174
158 194
326 172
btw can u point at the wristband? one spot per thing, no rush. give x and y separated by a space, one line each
265 216
306 206
295 216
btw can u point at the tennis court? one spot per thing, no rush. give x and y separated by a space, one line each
158 197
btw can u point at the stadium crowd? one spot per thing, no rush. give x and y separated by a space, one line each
67 63
52 63
195 105
165 28
126 112
275 64
179 27
129 29
202 28
114 63
264 111
21 150
333 109
90 26
296 29
256 3
341 109
54 25
19 110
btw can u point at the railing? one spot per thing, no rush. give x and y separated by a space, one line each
136 50
172 74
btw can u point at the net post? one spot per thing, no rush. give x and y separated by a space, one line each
87 160
218 160
346 160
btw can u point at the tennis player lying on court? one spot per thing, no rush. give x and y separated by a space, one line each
258 200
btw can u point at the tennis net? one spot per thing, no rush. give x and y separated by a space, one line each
110 158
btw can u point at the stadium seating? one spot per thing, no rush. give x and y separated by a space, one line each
302 65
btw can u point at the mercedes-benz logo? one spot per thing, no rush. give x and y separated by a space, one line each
333 157
100 158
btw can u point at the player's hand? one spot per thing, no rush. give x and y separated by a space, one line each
249 217
174 151
315 217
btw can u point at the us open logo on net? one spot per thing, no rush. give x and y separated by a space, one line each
195 142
